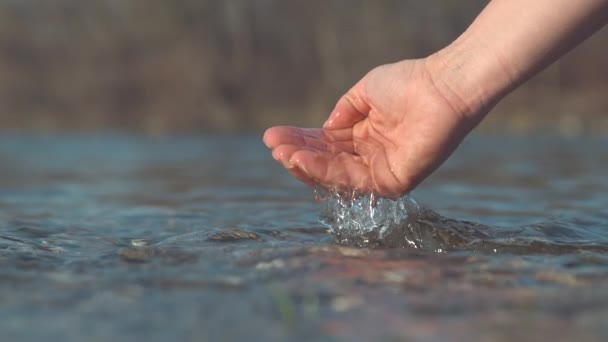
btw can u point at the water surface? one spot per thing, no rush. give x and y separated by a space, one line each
115 238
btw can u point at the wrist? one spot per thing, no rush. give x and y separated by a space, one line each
470 77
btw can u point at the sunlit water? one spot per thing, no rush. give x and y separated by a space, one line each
115 238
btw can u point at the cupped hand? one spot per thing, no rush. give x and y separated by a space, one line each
385 135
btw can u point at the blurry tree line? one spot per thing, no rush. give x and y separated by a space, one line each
185 66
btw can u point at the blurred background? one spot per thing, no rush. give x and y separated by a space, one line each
162 67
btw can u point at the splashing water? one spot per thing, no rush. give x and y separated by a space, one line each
365 219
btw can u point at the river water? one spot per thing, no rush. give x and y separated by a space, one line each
113 238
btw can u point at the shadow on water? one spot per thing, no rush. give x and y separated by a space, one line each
116 237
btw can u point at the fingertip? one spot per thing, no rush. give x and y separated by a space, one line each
268 137
276 136
334 117
348 111
276 155
298 160
283 154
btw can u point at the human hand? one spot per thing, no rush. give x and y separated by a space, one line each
385 135
401 121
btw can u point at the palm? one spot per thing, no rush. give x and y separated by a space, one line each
387 134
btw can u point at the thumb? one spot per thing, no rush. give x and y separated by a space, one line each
350 109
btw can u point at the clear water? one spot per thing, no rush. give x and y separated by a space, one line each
207 239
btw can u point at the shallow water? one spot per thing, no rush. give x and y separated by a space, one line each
114 237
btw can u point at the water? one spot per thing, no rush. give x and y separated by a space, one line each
366 221
122 238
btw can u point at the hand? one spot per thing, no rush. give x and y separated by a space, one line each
386 135
401 121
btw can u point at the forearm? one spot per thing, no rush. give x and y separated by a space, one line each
510 41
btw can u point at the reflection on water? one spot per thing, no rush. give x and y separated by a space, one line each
208 239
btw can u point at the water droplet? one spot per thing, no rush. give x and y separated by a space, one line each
321 194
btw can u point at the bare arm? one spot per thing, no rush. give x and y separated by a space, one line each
401 121
510 41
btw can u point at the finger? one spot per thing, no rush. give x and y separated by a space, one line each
350 109
341 171
283 154
273 136
346 173
317 133
279 135
343 134
313 139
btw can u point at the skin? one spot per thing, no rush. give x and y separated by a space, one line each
401 121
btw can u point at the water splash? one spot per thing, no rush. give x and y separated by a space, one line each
367 220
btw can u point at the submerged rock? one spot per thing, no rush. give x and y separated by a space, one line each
232 234
148 254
